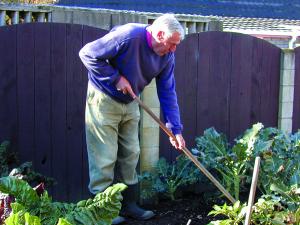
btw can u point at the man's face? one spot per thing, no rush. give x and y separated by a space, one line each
164 44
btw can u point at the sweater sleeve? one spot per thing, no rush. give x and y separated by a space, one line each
95 56
165 83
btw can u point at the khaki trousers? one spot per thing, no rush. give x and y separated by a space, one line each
112 140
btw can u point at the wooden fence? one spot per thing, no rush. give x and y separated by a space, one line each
42 94
296 111
225 80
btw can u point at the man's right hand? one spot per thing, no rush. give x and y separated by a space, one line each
124 86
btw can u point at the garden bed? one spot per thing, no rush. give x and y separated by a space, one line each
179 212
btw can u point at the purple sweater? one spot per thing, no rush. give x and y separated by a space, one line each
124 51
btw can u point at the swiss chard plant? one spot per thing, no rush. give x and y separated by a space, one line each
168 177
29 206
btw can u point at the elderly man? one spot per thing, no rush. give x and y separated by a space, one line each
120 65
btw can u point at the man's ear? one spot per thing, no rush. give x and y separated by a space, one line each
161 35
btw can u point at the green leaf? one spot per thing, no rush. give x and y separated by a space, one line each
100 210
62 221
20 189
32 220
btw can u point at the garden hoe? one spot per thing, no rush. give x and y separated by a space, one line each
186 151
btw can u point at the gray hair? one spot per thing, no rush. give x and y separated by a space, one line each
169 24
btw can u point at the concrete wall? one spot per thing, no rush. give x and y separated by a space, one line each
287 84
101 18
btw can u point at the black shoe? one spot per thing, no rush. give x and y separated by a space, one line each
134 211
129 206
118 220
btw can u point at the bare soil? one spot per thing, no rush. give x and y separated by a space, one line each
179 212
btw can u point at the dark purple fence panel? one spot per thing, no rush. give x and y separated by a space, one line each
186 85
296 110
42 94
227 81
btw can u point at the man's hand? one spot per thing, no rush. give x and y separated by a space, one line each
179 143
124 86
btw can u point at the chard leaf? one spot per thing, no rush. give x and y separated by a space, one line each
20 189
32 220
62 221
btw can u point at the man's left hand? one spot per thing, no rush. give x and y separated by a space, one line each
179 143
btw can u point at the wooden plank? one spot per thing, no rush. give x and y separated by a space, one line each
89 34
296 111
42 87
186 58
270 84
257 81
59 110
213 82
8 86
241 82
26 97
75 112
186 70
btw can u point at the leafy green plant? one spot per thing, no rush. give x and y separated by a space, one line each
279 176
167 177
280 154
234 213
7 158
266 211
99 210
230 162
10 165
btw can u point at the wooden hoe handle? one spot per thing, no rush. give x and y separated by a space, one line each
187 152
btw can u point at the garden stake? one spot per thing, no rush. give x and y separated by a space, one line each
252 191
186 151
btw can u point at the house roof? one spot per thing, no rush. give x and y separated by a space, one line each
279 9
261 25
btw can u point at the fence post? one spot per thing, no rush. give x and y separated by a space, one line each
15 17
2 18
191 27
41 17
286 92
28 17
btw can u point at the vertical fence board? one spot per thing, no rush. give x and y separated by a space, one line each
241 80
89 34
186 87
186 75
26 112
59 110
270 85
75 111
43 154
8 86
296 111
213 81
257 81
